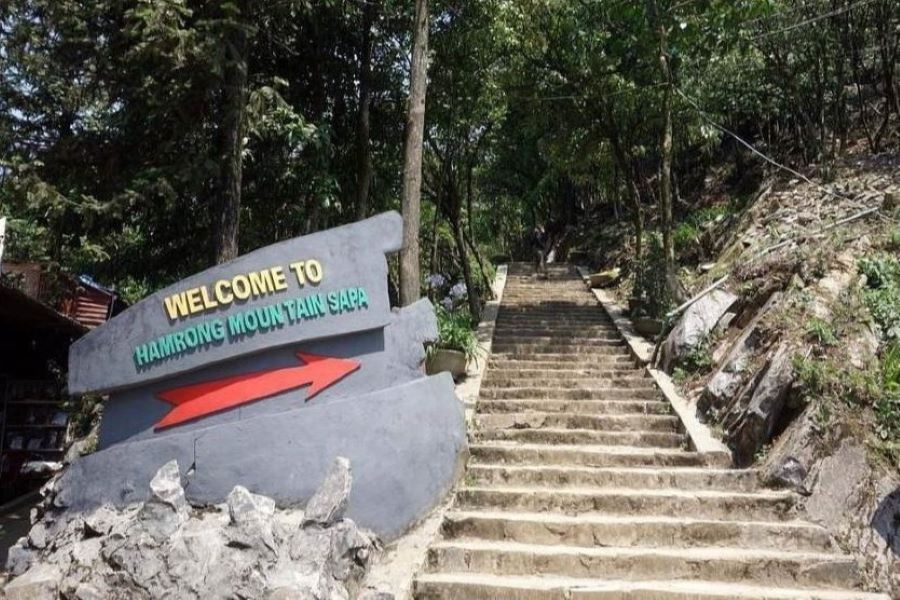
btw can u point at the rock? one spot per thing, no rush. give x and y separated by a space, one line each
375 595
40 582
605 278
101 521
37 537
330 501
694 326
789 473
167 509
722 387
839 483
725 322
291 593
162 548
165 487
251 516
245 507
754 427
86 591
86 553
19 558
646 326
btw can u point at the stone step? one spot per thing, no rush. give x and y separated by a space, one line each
590 455
658 439
560 476
582 393
603 339
725 564
599 407
634 531
612 371
554 330
598 356
542 318
601 364
496 379
576 420
706 504
553 325
565 350
486 586
535 308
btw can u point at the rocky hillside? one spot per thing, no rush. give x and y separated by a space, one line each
794 358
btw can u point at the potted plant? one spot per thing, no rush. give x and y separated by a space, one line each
455 346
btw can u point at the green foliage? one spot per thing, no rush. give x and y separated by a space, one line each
825 384
887 408
455 332
687 233
883 294
894 240
821 332
699 360
650 280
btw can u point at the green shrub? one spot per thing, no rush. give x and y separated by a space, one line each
894 240
650 283
821 331
685 235
882 297
455 332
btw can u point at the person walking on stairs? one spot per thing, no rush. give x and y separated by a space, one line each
539 247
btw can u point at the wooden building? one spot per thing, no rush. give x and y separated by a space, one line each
41 314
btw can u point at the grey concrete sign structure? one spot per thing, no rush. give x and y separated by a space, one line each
260 371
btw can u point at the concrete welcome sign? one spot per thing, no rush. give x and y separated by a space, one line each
261 371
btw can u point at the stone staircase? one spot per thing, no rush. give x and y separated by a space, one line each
580 483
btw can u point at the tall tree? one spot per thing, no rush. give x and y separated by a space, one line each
665 146
231 134
363 128
410 275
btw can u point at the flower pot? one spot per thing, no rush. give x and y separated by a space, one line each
442 359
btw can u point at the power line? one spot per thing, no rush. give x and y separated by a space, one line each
753 149
815 19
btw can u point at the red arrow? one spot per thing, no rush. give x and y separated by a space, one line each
201 399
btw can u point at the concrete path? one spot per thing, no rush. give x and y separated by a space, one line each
580 483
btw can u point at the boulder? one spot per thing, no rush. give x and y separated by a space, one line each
167 508
788 473
252 519
165 487
723 387
19 557
695 326
40 582
646 326
605 278
330 501
754 427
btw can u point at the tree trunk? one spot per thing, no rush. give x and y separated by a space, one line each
234 102
637 213
412 162
459 238
484 278
363 128
665 171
